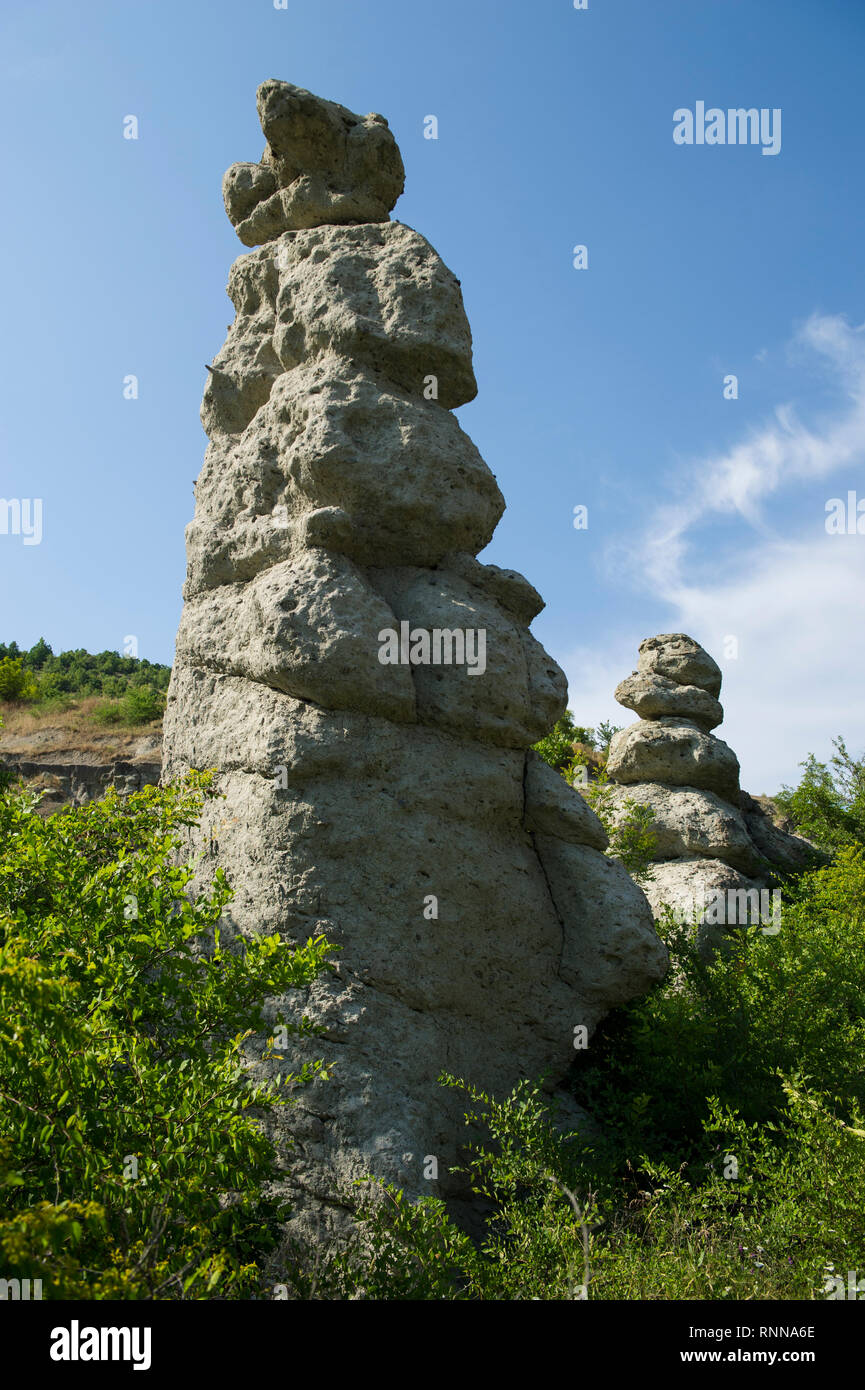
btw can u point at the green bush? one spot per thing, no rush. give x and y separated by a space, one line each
557 747
770 1212
142 704
50 688
131 1164
726 1158
139 705
633 840
84 673
828 806
729 1026
606 733
16 684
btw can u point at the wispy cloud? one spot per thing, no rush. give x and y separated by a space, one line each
793 597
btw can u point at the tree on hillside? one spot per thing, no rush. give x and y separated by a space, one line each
828 805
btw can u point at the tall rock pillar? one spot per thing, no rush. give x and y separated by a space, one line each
714 843
367 689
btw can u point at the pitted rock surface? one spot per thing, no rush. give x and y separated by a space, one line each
656 697
710 836
675 751
322 164
340 500
679 658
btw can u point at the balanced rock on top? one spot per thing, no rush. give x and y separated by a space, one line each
710 836
322 164
679 658
391 805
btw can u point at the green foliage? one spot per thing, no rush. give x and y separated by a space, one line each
82 673
632 838
557 747
561 746
727 1026
15 683
606 733
535 1247
38 655
727 1157
768 1213
132 1159
139 705
828 806
765 1214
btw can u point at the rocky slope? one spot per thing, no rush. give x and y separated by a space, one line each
73 762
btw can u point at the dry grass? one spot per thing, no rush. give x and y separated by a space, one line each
63 730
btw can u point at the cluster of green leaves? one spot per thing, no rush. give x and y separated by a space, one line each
564 748
133 1161
605 735
727 1154
16 684
630 828
828 806
567 1225
730 1025
557 748
39 674
537 1242
139 705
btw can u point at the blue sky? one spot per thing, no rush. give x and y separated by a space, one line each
601 387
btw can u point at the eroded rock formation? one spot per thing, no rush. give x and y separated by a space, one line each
393 807
711 837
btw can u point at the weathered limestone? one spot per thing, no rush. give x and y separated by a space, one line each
322 164
711 838
689 822
674 751
655 697
392 807
679 658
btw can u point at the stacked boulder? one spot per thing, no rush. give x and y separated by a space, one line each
711 838
369 691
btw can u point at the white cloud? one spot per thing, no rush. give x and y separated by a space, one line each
795 601
796 610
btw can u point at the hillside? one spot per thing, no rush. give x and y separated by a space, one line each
62 751
77 722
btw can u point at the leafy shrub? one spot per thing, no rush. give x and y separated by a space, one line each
142 703
130 1162
728 1026
557 748
84 673
828 806
16 683
139 705
771 1212
632 839
109 713
606 734
727 1157
50 687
